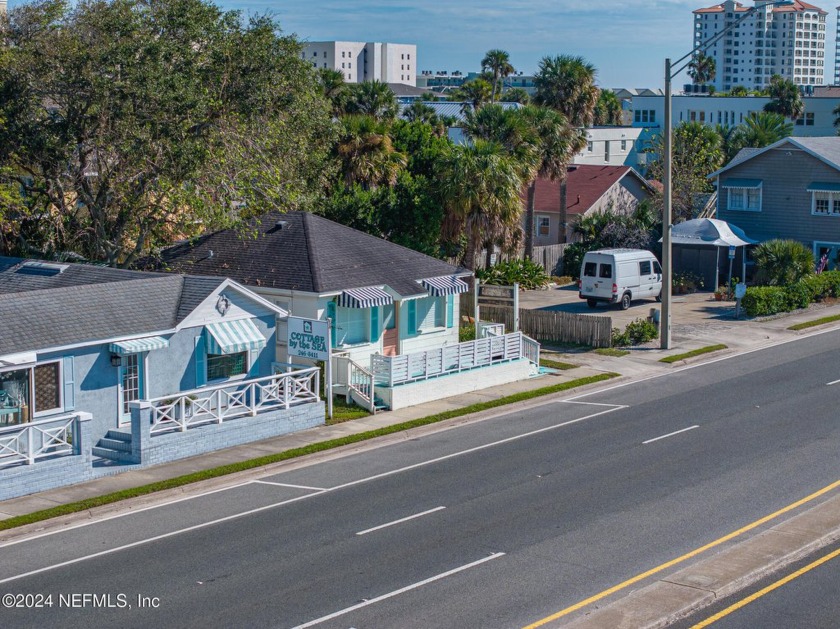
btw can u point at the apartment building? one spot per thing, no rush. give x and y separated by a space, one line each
785 40
365 61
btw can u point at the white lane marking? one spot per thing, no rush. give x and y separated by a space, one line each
269 482
696 365
407 588
832 382
400 521
670 434
285 502
156 538
476 449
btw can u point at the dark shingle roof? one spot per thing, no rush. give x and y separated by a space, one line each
308 253
90 303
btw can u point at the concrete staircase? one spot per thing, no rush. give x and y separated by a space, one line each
114 446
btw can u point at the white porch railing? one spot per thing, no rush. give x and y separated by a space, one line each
486 329
358 381
393 370
216 404
26 443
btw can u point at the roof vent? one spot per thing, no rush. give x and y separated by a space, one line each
281 224
30 267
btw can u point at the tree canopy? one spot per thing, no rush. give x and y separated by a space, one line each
131 122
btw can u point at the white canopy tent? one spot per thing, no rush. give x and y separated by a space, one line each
713 233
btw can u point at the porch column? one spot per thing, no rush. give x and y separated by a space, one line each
141 426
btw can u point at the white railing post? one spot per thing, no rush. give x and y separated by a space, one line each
182 413
30 448
252 399
287 393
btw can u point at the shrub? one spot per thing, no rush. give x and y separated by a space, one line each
832 280
466 332
818 286
637 332
573 258
783 262
798 295
527 273
686 282
765 300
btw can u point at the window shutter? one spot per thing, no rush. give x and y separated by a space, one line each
331 317
69 384
200 361
450 311
411 324
374 324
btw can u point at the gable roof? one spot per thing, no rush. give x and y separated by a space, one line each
85 304
826 149
585 185
305 252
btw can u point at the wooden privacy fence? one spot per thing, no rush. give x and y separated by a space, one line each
548 326
550 257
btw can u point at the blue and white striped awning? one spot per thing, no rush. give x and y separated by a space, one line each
232 337
368 297
446 285
135 346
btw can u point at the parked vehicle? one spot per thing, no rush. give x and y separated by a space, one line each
619 276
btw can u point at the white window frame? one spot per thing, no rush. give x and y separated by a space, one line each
539 221
431 311
142 365
249 357
49 411
833 199
340 314
743 195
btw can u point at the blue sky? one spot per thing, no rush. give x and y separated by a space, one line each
626 40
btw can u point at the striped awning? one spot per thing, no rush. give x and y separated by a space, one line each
819 186
135 346
364 298
446 285
232 337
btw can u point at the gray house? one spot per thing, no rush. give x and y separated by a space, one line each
790 190
103 370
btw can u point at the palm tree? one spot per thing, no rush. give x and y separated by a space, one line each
498 62
567 84
517 95
373 98
418 111
787 99
556 144
480 185
475 93
702 69
334 89
366 153
761 129
783 262
607 109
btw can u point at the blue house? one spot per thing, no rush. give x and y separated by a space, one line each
103 370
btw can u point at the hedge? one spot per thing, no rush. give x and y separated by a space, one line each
767 300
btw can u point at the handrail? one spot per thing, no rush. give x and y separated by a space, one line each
26 443
218 403
359 381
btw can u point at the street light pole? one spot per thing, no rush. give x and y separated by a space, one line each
665 319
667 183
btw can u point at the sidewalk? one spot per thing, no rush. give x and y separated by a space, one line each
698 321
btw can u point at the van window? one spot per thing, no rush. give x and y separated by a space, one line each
606 271
589 269
644 267
656 268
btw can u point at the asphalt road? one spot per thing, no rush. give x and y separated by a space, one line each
497 523
804 594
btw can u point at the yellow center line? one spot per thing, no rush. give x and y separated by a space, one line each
682 558
768 589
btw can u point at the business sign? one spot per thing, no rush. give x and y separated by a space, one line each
308 338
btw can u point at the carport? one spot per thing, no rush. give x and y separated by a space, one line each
697 248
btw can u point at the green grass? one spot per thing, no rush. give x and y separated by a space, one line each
692 353
232 468
344 412
810 324
556 364
611 351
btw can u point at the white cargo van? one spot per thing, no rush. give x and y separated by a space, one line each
619 276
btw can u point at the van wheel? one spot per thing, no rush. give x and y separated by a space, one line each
591 303
625 301
659 297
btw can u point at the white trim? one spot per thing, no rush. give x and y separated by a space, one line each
833 203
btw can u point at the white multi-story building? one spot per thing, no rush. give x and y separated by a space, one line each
365 61
785 40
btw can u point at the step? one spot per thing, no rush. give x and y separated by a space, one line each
107 453
118 435
115 444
